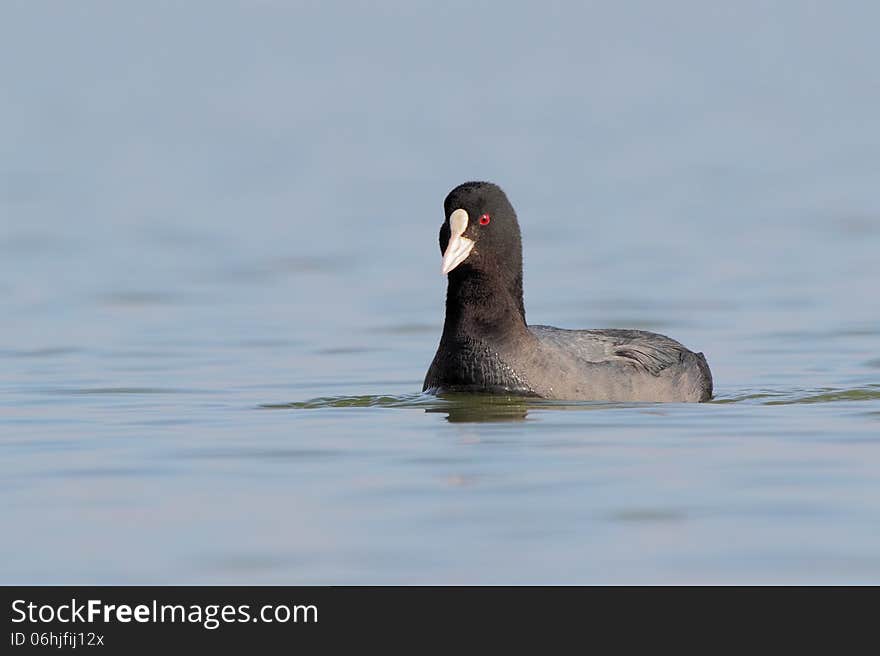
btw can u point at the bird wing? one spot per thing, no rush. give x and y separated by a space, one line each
649 351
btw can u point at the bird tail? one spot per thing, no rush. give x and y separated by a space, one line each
706 376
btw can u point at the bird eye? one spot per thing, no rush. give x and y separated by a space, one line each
484 220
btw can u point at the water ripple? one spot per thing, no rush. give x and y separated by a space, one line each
121 390
458 407
792 397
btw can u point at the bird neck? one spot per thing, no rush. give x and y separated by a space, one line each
482 307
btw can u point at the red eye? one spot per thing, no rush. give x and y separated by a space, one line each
484 220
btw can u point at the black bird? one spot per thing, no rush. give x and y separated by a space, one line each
487 346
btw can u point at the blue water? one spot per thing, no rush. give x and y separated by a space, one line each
220 291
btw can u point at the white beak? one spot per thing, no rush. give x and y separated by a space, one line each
459 247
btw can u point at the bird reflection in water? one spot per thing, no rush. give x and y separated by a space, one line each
482 408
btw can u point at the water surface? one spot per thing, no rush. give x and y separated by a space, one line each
220 292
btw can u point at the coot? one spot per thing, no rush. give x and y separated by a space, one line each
487 346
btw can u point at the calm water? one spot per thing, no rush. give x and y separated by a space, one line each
220 291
